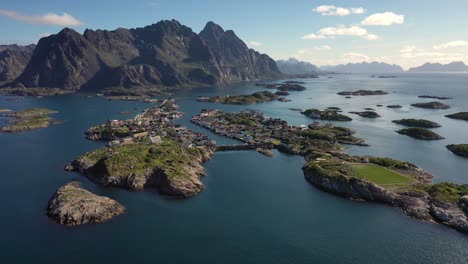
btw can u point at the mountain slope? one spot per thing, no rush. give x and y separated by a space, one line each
159 56
437 67
293 66
364 67
13 60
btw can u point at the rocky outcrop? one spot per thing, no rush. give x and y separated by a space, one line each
417 123
71 205
420 133
163 55
363 93
13 60
366 114
432 105
416 204
181 183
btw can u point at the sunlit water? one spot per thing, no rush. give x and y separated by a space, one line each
254 209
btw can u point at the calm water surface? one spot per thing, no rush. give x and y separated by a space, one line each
254 209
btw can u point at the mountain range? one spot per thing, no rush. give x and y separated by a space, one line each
293 66
159 56
364 67
437 67
13 60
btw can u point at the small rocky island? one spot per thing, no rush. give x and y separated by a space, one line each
417 123
72 205
285 86
435 97
366 114
460 149
255 98
459 116
394 106
420 133
432 105
328 115
363 93
28 119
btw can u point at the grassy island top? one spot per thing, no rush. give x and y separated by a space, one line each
330 115
380 175
141 158
417 123
390 174
420 133
460 149
29 119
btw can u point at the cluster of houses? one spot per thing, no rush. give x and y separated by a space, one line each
252 127
249 126
152 126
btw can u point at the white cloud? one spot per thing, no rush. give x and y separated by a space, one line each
354 57
342 31
313 36
331 10
48 19
254 43
322 48
452 44
383 19
45 34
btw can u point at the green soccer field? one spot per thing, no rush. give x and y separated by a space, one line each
380 175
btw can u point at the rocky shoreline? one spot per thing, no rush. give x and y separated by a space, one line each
108 169
422 204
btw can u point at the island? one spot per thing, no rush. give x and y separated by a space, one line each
432 105
148 151
391 182
417 123
363 93
420 133
394 106
285 86
366 114
459 116
255 98
460 149
435 97
384 180
72 205
329 115
28 119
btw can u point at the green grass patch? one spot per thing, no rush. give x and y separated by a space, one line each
380 175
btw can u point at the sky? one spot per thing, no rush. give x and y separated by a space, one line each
404 32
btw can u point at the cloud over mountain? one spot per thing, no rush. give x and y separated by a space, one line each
47 19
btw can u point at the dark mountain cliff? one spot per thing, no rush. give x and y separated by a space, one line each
13 60
163 55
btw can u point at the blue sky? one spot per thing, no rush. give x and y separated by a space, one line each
405 32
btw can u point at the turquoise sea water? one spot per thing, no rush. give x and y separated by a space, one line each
254 209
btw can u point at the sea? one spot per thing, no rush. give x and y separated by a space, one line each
255 209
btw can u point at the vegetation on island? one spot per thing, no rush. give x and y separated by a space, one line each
460 149
432 105
367 114
363 93
329 115
393 183
420 133
459 116
28 119
255 98
417 123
